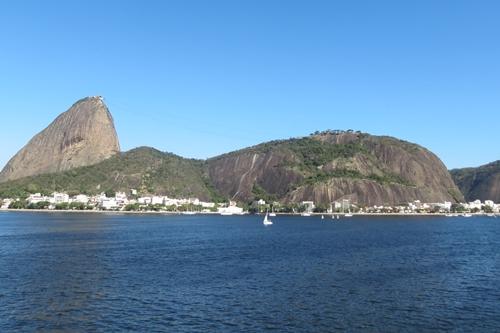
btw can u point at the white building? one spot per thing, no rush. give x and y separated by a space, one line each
36 198
474 205
309 205
230 210
207 204
170 202
81 198
121 198
156 200
59 198
109 203
144 200
5 203
489 203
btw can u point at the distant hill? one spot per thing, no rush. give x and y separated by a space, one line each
145 169
481 183
83 135
334 165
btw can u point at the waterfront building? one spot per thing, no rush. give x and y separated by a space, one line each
121 199
5 203
36 198
59 198
156 200
109 203
230 210
144 200
81 198
309 206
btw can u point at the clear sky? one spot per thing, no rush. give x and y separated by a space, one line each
199 78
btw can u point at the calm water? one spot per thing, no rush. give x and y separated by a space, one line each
95 272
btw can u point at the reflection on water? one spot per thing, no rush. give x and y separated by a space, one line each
97 272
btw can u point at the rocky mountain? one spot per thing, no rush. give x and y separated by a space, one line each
79 153
334 165
145 169
83 135
481 183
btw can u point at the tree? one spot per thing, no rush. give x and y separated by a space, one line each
110 193
487 209
132 207
19 204
457 208
77 206
320 208
62 206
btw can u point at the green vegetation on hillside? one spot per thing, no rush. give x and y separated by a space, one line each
313 154
322 176
147 170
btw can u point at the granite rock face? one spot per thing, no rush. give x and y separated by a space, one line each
330 166
82 136
481 183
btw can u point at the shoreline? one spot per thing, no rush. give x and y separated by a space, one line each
110 212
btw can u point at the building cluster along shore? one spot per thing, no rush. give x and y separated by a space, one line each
121 202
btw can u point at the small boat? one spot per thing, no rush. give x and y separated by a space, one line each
272 213
449 215
490 215
226 214
188 213
305 214
338 217
322 217
267 221
466 215
348 215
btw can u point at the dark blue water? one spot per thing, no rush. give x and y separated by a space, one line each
96 272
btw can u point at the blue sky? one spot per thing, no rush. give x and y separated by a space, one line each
199 78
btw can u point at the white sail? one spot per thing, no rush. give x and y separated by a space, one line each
267 221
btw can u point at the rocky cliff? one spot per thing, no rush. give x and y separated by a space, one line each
83 135
481 183
333 165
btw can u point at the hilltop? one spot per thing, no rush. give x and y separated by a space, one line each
333 165
83 135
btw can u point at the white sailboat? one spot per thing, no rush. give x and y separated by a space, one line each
272 213
267 221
